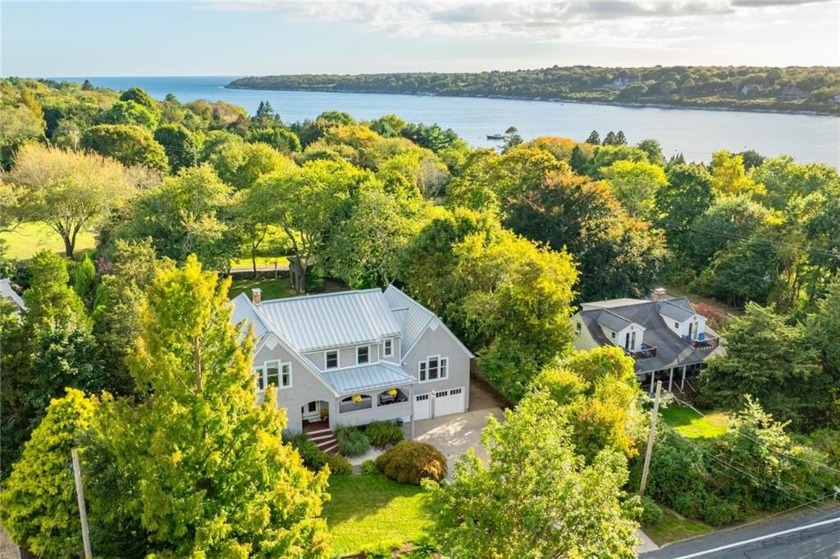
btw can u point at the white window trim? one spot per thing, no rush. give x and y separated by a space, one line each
388 348
281 365
337 360
425 362
358 349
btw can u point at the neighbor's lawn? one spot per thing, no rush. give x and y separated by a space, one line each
690 424
281 262
30 237
271 288
674 527
370 510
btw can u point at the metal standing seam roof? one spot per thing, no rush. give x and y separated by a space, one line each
243 309
415 317
9 293
367 377
317 322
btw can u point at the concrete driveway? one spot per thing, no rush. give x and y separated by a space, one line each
454 434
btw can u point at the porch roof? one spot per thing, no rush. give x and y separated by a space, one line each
367 377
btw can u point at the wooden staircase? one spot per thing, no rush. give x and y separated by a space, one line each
320 434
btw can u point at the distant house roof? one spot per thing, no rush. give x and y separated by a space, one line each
366 377
11 295
671 349
318 322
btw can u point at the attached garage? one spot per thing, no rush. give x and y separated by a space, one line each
440 403
422 406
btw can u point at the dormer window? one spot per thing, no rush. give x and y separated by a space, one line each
332 360
362 355
388 348
676 325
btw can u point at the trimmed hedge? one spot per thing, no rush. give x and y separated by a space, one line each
382 433
339 465
369 468
412 461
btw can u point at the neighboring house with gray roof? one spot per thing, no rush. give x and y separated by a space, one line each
7 292
665 336
353 357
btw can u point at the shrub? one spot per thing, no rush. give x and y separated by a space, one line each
369 468
651 512
351 441
312 456
339 465
382 433
412 461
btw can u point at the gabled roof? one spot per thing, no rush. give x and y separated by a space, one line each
366 377
679 309
7 292
612 321
671 349
243 309
317 322
414 319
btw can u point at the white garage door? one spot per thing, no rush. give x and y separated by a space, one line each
449 401
422 406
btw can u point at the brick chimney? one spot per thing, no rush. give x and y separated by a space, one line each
658 294
256 295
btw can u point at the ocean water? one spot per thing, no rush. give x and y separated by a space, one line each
694 133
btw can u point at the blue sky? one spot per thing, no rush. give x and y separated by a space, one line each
252 38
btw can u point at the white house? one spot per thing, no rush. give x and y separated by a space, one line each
352 357
8 293
665 336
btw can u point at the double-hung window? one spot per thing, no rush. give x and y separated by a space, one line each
332 360
434 368
388 348
362 355
275 373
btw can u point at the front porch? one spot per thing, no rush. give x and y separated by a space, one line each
675 377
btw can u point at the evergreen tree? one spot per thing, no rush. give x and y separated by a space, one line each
594 138
213 476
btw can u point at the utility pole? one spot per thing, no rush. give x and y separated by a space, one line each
652 436
80 495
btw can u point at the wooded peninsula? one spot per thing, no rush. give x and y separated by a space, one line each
745 88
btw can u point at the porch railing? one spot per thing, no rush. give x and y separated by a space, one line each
706 342
646 352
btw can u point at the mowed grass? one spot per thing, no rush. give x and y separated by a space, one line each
372 510
271 288
692 425
280 262
674 527
31 237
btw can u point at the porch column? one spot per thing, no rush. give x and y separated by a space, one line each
671 379
652 377
682 383
411 403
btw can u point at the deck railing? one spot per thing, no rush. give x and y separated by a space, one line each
646 352
706 342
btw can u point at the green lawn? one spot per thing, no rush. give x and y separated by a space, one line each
674 527
368 511
262 261
30 237
691 425
271 288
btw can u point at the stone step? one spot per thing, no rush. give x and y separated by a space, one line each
332 449
318 432
324 437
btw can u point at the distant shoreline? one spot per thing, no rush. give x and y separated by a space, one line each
631 105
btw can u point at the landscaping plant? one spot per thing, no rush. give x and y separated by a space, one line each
412 461
384 433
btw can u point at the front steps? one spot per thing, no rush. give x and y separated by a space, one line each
324 438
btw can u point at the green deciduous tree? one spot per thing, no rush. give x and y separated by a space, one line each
213 476
635 185
535 498
179 144
686 197
765 357
39 498
69 191
187 214
130 113
130 145
240 164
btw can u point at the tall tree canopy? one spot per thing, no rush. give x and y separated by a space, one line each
70 191
213 476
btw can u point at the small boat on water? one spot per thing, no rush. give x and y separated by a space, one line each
496 137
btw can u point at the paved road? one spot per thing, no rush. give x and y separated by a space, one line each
816 543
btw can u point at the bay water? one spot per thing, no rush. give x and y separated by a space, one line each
694 133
